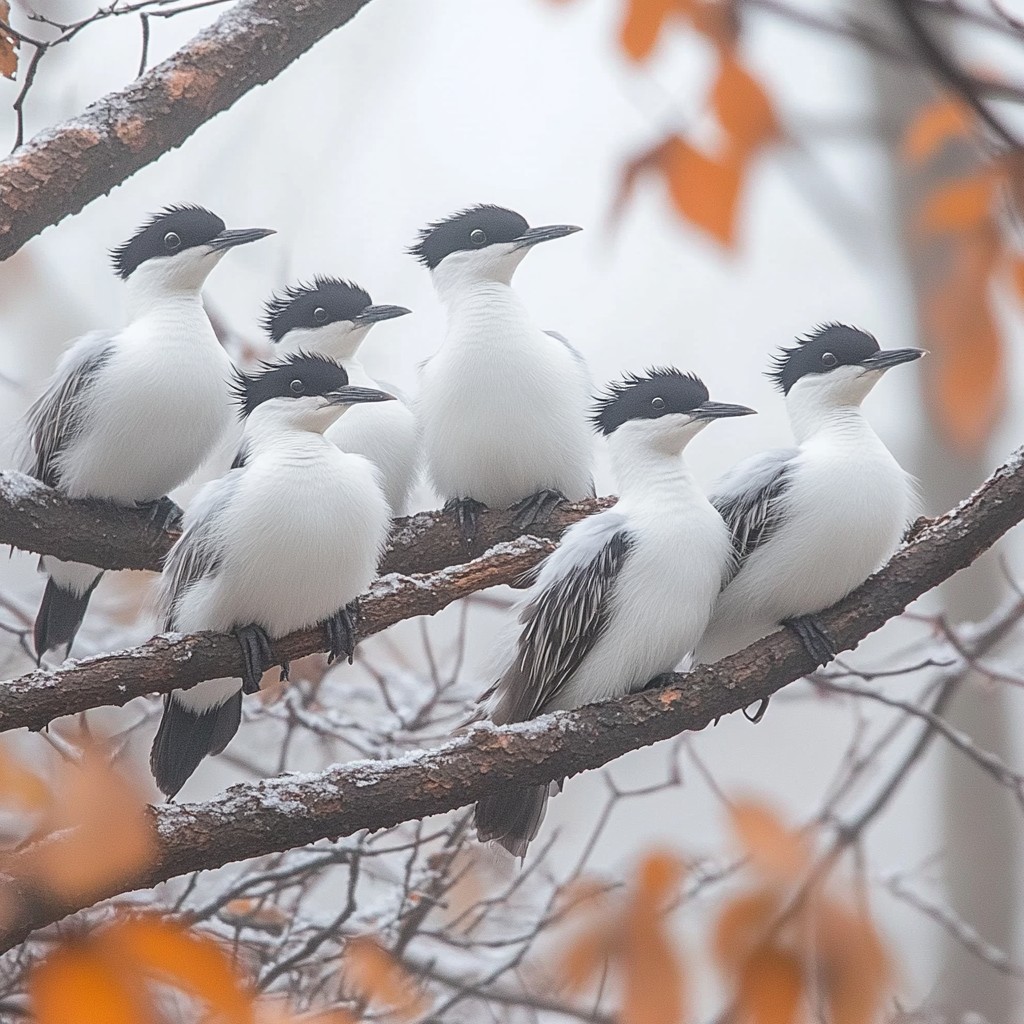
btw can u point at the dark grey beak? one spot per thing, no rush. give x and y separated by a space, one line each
228 239
547 233
352 395
374 314
890 357
720 410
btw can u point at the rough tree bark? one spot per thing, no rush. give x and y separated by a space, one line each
252 820
65 167
34 517
174 661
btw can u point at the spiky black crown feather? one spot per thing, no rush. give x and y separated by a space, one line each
659 391
829 345
172 230
297 375
473 228
298 305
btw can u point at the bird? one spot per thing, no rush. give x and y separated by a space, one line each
811 522
629 591
288 540
503 404
131 414
333 317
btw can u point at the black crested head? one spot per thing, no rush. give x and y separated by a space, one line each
327 300
474 228
660 391
173 230
298 375
828 346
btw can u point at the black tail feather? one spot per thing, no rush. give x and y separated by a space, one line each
185 737
59 617
511 817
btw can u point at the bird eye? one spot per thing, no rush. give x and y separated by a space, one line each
657 403
828 359
478 237
319 314
297 387
172 240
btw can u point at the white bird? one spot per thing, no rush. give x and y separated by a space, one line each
811 523
132 414
288 540
503 404
333 317
628 592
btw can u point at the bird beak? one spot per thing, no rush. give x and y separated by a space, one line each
352 395
720 410
228 239
547 233
374 314
890 357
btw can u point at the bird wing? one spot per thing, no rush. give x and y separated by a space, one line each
571 348
564 616
199 551
748 498
55 417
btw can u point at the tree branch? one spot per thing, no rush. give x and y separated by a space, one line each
67 166
252 820
34 517
174 661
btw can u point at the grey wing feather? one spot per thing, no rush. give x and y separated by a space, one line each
563 619
573 350
749 496
198 552
54 418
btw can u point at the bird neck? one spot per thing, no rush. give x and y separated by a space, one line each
650 471
148 294
810 416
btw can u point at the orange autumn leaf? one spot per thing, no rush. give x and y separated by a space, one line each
76 982
95 833
743 924
965 373
856 971
20 788
718 21
644 22
935 125
742 106
193 963
653 982
705 190
8 43
587 955
379 978
771 988
964 205
772 848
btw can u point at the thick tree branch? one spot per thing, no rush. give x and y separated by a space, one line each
67 166
252 820
173 661
38 518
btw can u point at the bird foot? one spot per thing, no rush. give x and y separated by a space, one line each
757 714
164 512
257 655
535 507
341 632
467 511
661 681
813 635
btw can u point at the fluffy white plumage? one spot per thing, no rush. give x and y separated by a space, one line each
833 509
283 542
502 404
386 434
